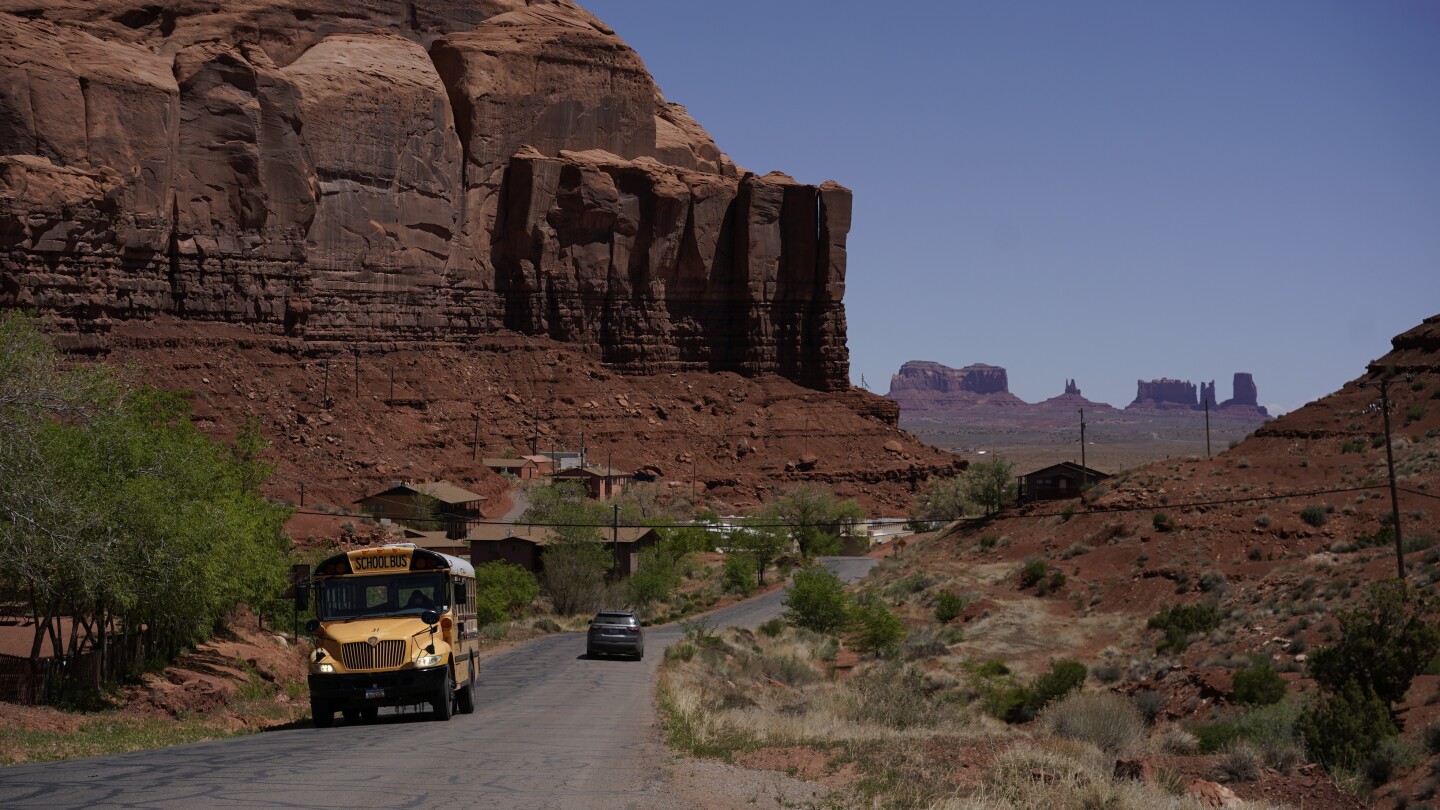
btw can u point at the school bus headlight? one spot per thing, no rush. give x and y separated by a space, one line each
429 661
325 669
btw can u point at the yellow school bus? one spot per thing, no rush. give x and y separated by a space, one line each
395 626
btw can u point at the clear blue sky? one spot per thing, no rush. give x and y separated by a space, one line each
1107 191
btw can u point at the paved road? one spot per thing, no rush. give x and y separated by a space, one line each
551 730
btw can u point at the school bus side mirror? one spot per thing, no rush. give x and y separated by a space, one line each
431 617
460 594
302 597
312 626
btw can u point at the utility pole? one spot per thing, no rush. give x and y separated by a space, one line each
356 350
615 525
805 446
475 437
1206 400
392 380
693 455
535 436
1084 471
327 382
1384 384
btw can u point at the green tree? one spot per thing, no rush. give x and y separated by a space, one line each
815 517
943 499
816 600
763 542
879 632
739 572
116 511
655 580
1383 645
1344 727
575 561
989 485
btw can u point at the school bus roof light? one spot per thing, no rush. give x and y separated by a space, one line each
426 561
335 566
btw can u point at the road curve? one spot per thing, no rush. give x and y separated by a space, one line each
551 729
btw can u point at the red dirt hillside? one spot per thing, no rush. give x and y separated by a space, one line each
737 436
1280 567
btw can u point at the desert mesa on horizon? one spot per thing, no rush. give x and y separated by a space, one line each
923 385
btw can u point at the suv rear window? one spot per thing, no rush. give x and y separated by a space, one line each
607 617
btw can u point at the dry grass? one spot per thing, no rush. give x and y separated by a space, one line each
904 734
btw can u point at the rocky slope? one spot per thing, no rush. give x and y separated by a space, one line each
397 175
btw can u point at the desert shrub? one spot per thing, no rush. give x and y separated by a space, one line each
1175 740
816 600
948 606
773 627
879 631
1383 645
1342 729
1215 736
1062 678
1180 622
1213 582
1067 513
656 579
1315 515
680 651
1239 763
1162 522
1258 685
789 670
1353 446
739 573
987 542
911 583
1149 703
1263 521
1075 550
1391 758
1431 737
1108 672
545 624
1032 572
889 694
925 642
1103 719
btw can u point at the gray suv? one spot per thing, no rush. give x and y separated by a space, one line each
615 632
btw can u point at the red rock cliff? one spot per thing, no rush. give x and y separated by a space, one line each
397 174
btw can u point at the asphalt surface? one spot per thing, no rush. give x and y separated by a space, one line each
551 729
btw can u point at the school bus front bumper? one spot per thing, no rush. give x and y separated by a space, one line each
398 688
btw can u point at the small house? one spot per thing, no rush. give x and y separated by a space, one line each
524 468
433 505
525 546
1058 481
601 483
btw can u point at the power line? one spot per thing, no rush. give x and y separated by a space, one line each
891 521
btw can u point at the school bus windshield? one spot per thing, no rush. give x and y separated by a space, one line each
381 595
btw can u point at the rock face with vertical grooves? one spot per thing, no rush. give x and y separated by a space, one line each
397 173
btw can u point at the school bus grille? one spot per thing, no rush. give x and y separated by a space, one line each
385 655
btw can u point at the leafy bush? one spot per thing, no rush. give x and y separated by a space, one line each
656 579
1063 677
1315 515
880 631
739 573
1258 685
1389 759
1383 645
1213 582
816 600
948 606
1343 729
1162 522
1033 571
502 591
1215 736
987 542
1180 622
773 627
1103 719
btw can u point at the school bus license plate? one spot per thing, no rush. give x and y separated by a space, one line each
371 694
